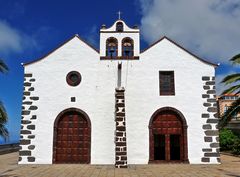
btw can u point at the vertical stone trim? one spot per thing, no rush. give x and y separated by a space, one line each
120 133
28 120
211 149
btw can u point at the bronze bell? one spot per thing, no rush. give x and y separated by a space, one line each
112 50
127 51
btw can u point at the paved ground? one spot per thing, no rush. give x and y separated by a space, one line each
8 168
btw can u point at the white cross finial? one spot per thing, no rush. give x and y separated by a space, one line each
119 15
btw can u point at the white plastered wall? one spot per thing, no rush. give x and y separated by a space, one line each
95 96
143 99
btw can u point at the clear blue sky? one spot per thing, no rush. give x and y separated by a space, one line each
29 29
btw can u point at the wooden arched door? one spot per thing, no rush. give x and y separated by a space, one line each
168 136
72 137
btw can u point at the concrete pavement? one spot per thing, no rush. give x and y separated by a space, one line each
8 168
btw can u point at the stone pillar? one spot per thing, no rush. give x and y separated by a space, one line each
210 116
120 133
28 122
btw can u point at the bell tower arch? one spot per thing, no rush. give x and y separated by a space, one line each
119 41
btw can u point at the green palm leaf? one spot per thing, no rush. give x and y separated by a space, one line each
3 120
231 89
4 132
3 114
232 110
3 67
235 59
231 79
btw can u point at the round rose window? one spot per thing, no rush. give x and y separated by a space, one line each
73 78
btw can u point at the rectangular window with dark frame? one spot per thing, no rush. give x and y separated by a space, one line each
166 82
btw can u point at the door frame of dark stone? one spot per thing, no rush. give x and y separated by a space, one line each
56 125
184 136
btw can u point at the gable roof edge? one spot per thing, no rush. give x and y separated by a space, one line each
59 46
165 37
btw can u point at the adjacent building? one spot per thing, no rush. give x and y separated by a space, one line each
223 103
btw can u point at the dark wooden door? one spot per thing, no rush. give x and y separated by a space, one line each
72 143
168 126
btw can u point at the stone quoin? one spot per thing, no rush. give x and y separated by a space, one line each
119 105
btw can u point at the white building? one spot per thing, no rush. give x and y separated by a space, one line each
119 105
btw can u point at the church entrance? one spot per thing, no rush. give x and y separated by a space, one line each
72 137
168 136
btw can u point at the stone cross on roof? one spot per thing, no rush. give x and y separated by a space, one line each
119 14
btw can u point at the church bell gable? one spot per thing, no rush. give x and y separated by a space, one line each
119 42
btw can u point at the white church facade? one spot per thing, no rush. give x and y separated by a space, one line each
118 105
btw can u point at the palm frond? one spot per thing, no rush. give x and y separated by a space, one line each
3 67
231 79
235 59
3 114
231 89
237 92
4 132
232 110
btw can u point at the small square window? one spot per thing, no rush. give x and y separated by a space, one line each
166 83
73 99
